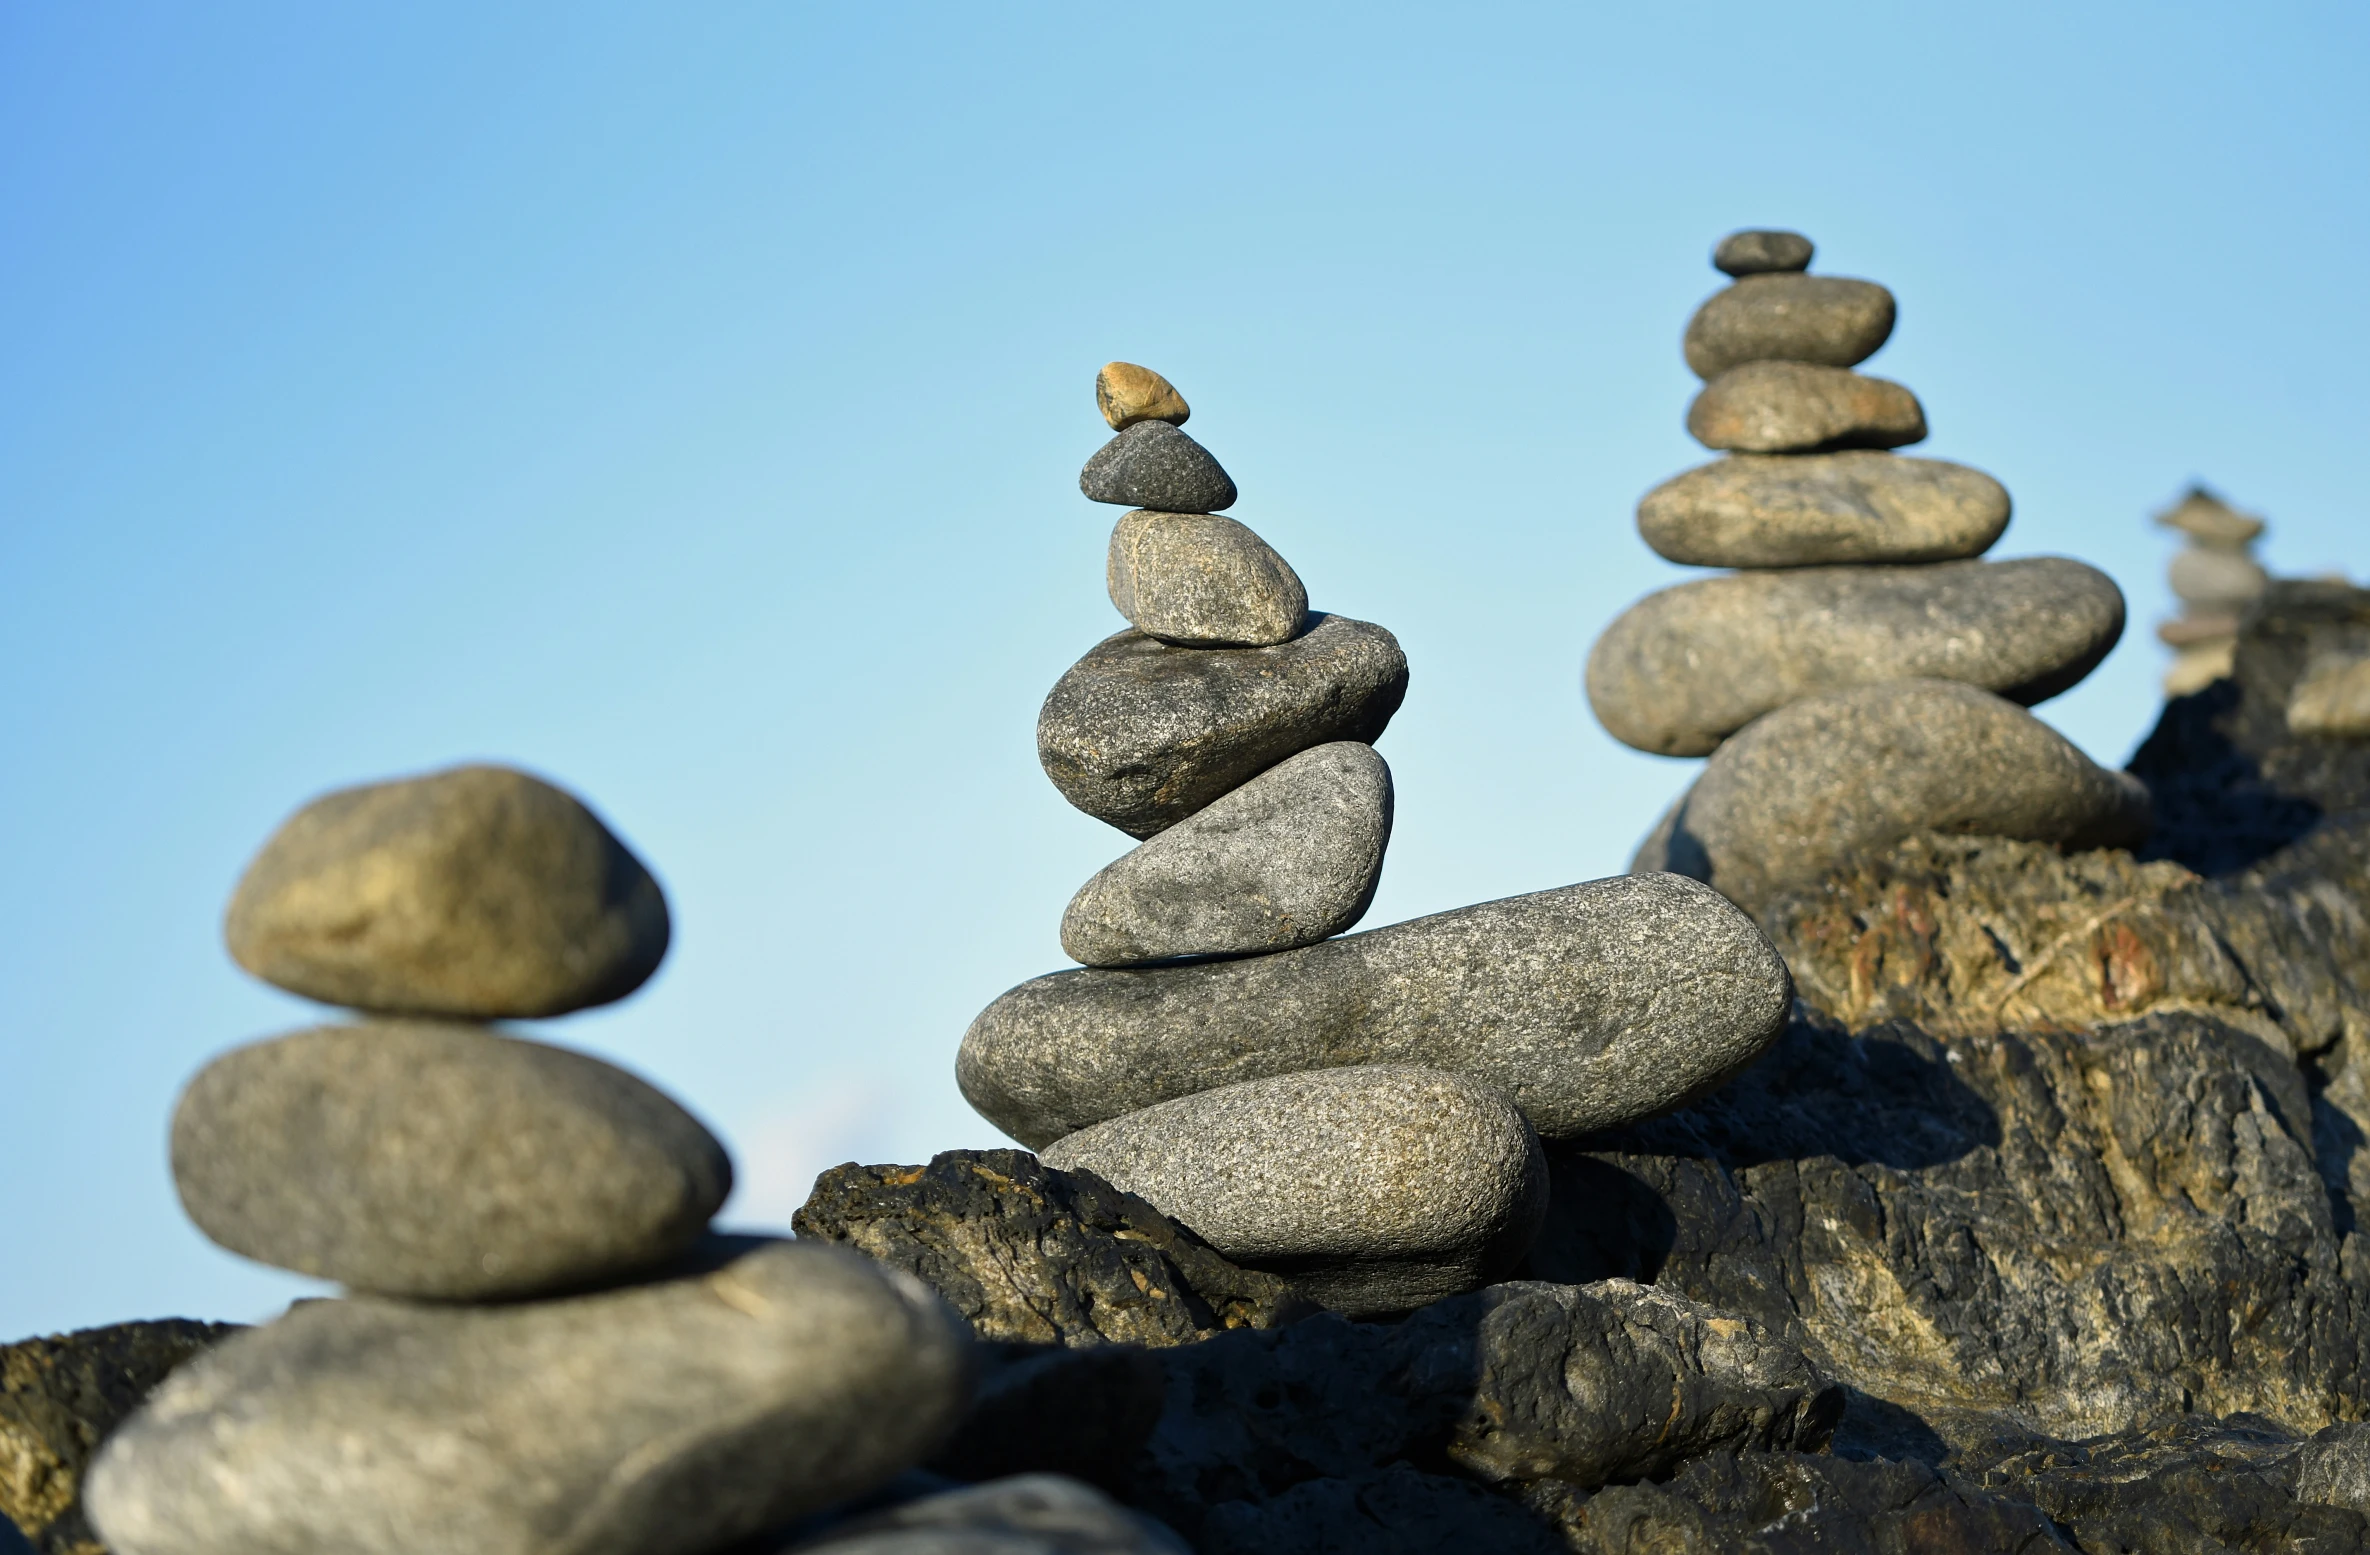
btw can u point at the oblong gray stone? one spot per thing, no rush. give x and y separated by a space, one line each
1683 669
1289 858
2206 579
1376 1188
1141 734
679 1415
1823 319
1804 790
478 892
1199 580
1762 251
1588 1006
1813 510
1154 465
414 1158
1793 407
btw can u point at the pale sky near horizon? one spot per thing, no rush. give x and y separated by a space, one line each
686 403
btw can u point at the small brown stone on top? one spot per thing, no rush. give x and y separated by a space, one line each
1761 252
1127 394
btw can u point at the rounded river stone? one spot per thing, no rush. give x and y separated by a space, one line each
479 892
679 1415
1141 734
1127 394
1793 407
1826 320
416 1158
1805 790
1682 670
1376 1188
2206 579
1762 251
1199 580
1289 858
1153 465
1814 510
1589 1006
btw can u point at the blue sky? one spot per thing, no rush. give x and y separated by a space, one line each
686 403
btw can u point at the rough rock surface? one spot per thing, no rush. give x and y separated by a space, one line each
1127 394
1805 788
1762 251
1587 1006
1822 319
1141 734
1813 510
432 1159
676 1415
478 893
1376 1188
2332 697
59 1398
1153 465
1290 858
1201 580
1684 668
1794 407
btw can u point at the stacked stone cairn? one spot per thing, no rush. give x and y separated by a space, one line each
543 1348
2216 578
1363 1113
1860 674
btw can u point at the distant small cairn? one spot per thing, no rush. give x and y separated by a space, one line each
2216 578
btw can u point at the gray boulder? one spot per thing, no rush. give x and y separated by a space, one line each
479 893
1812 510
416 1158
1762 251
1027 1514
1289 858
1154 465
1682 670
1202 581
1141 734
1808 787
1793 407
1586 1006
1822 319
679 1415
1376 1188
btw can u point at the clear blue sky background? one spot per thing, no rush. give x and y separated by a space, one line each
686 402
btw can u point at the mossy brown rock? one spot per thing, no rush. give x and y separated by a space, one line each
1822 319
1792 408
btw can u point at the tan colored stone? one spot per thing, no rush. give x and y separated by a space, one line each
2208 520
2333 697
1794 407
1828 320
1127 394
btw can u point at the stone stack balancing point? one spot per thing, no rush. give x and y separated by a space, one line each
1861 670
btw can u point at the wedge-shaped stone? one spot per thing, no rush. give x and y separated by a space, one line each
1153 465
1377 1188
480 893
414 1158
1199 580
1814 510
1811 786
1127 394
1682 670
1588 1006
1822 319
680 1415
1141 734
1289 858
1794 408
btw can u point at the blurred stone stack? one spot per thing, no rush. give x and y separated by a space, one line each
1361 1114
2216 578
542 1347
1860 675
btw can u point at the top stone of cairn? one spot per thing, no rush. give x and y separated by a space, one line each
1127 394
2211 522
1758 251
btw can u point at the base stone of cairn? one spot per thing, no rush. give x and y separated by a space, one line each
1861 675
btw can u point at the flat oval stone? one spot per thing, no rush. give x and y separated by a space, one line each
1589 1006
1141 734
1803 791
1127 394
413 1158
1827 320
480 893
1289 858
1682 670
2217 580
679 1415
1793 407
2211 522
1376 1188
1762 251
1199 580
1153 465
1815 510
